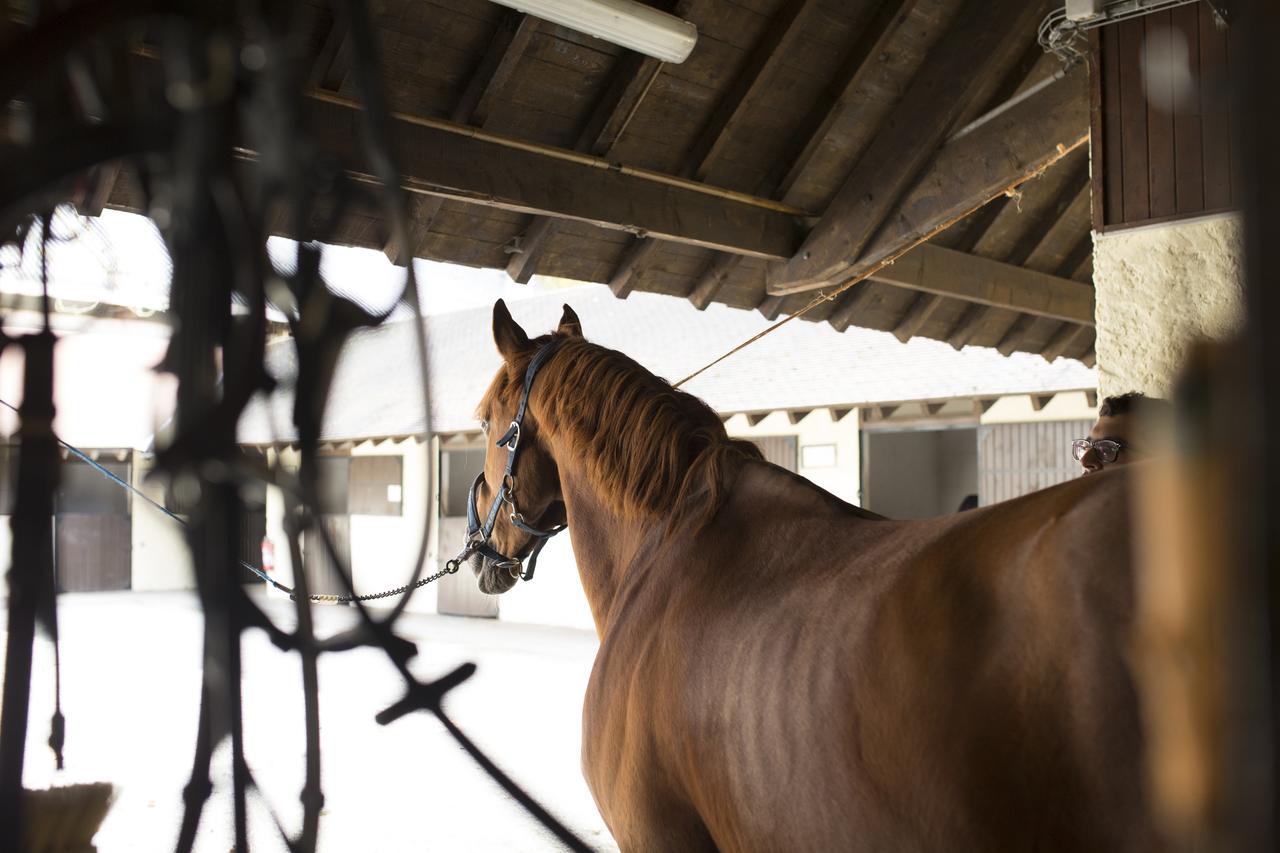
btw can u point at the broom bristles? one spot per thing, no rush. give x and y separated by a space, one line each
64 820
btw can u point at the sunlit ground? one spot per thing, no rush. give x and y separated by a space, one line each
131 680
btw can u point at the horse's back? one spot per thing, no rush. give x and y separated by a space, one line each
803 678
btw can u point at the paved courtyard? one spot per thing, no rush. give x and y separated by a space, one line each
131 680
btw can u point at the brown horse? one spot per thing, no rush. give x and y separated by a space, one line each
779 670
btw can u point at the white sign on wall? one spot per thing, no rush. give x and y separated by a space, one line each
818 456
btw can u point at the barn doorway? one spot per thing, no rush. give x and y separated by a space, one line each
919 473
458 594
93 531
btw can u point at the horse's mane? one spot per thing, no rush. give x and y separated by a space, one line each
651 450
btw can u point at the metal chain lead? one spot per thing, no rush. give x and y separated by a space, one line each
450 568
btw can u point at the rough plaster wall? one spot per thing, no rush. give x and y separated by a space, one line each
1158 289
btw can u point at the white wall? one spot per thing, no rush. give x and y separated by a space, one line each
843 479
1159 288
1017 409
161 559
383 547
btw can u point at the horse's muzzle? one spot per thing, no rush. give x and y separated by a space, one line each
495 577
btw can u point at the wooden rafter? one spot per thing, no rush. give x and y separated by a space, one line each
946 272
743 93
771 307
781 33
1015 334
1064 341
475 106
630 82
922 308
971 171
987 34
816 127
451 161
712 280
848 305
1050 214
101 182
968 325
332 64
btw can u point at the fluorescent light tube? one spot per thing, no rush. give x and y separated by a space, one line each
622 22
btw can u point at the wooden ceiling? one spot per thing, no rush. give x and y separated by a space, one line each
802 144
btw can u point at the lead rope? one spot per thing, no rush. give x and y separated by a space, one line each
450 567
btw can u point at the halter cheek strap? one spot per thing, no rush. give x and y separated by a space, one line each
478 534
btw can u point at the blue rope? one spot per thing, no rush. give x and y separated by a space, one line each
133 489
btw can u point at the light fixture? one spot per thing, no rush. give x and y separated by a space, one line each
627 23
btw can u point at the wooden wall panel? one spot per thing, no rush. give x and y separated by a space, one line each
1017 459
93 552
322 573
1161 122
780 450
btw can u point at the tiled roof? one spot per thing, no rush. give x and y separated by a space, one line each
800 366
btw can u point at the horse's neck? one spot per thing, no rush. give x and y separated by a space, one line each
607 545
603 544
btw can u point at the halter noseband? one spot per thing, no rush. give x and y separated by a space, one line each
477 541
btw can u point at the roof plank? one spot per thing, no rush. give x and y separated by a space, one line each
970 171
946 272
986 33
440 159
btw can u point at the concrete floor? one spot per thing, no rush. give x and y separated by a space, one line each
131 680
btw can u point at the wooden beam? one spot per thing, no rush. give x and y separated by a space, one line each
754 418
447 160
633 265
981 405
1015 334
886 412
1049 216
1090 358
474 107
333 62
946 272
986 34
771 307
704 292
840 414
924 307
1064 340
848 305
1039 401
859 64
932 409
750 84
796 416
1091 398
533 244
1082 252
629 83
966 174
498 65
968 325
101 181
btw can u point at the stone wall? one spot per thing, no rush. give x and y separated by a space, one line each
1160 287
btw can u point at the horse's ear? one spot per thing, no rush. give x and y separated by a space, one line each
570 324
507 334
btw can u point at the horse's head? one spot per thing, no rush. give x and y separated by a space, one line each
516 502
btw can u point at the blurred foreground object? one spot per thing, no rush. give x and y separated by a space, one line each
64 820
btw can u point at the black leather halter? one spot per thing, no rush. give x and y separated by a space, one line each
478 534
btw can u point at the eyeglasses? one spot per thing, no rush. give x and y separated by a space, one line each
1106 449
